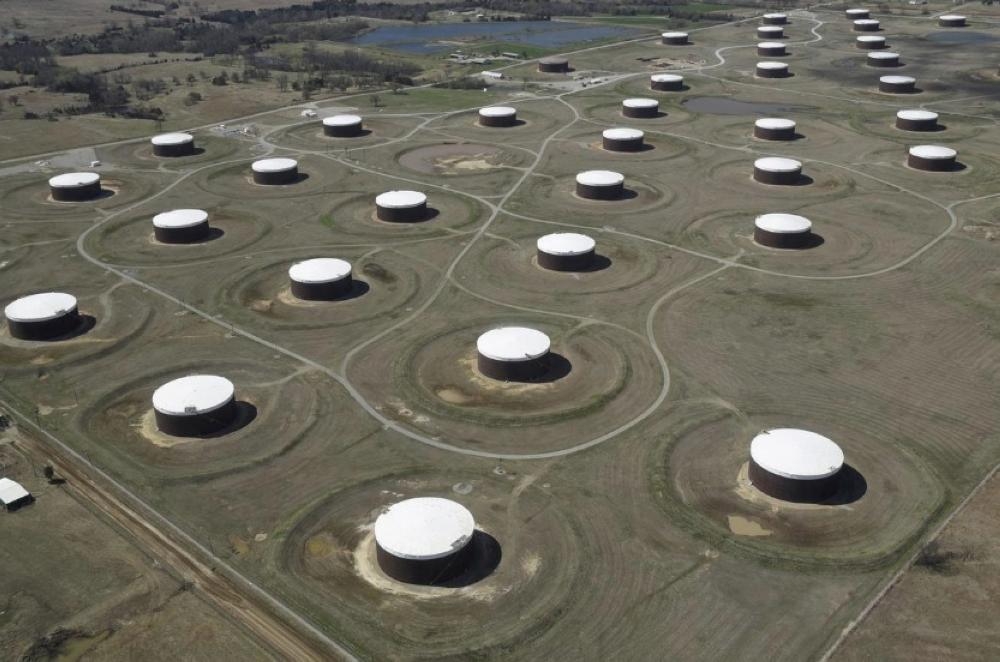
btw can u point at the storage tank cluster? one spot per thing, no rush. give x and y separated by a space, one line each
173 144
675 38
622 140
897 84
513 354
181 226
666 82
883 59
195 405
498 116
401 206
565 251
553 65
782 231
771 49
774 128
640 108
600 185
917 120
342 126
795 465
320 279
870 42
932 157
769 69
425 540
75 187
275 172
777 170
42 316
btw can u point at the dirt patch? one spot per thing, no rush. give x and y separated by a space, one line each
742 526
460 159
147 430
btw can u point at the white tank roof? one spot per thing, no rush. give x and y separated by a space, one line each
342 120
856 12
554 59
497 111
870 39
916 114
770 29
896 80
883 55
770 44
673 35
172 139
194 394
866 21
952 17
642 103
775 123
600 178
776 15
767 64
400 199
424 528
933 152
663 78
274 165
796 454
783 223
320 270
622 134
11 491
513 343
180 218
565 243
40 307
777 164
74 180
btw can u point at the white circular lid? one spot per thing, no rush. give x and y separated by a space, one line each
498 111
673 35
774 123
771 29
40 307
856 12
513 343
796 454
172 139
783 223
565 243
342 120
74 180
870 39
400 199
641 103
933 152
194 394
600 178
663 78
771 65
554 60
897 80
622 134
883 55
866 21
776 15
916 115
180 218
770 44
424 528
274 165
320 270
952 17
777 164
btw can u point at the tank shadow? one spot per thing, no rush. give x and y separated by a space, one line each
87 322
852 488
245 415
486 555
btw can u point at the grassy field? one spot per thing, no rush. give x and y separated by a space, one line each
617 491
